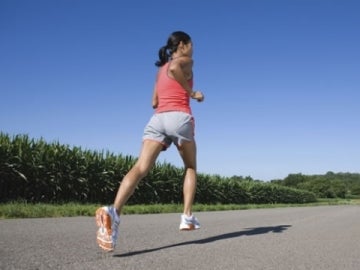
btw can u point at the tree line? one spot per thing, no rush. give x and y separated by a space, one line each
329 185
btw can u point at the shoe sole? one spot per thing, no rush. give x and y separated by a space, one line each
188 227
103 235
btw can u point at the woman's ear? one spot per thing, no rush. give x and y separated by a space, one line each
181 45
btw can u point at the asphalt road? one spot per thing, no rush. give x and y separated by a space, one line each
321 238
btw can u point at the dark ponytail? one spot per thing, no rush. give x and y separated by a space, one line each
173 42
163 56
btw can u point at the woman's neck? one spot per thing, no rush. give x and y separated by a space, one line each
175 55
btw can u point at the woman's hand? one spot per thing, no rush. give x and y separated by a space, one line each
199 96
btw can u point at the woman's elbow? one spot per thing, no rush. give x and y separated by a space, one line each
155 104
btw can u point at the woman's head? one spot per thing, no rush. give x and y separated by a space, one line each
175 40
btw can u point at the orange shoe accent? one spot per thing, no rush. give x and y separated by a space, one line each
103 220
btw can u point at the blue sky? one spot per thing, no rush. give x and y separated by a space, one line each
281 79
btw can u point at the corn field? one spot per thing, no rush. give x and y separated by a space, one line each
36 171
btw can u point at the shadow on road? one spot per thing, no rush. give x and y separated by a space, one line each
246 232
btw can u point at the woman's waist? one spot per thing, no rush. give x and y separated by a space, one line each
173 107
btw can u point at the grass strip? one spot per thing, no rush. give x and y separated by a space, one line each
42 210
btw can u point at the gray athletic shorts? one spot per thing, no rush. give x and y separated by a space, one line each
170 127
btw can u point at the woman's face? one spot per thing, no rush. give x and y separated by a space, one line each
187 48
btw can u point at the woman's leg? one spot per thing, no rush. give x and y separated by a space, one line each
187 151
148 155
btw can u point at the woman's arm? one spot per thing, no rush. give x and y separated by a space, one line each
155 100
178 68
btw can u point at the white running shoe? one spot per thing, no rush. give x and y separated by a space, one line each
189 223
108 222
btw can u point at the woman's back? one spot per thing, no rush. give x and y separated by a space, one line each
171 95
